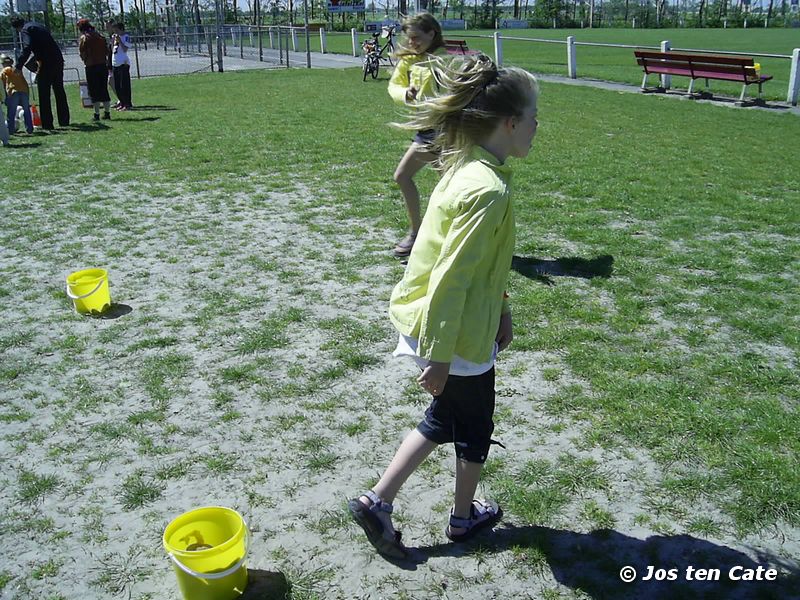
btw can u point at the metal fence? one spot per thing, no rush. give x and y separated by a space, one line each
533 58
186 50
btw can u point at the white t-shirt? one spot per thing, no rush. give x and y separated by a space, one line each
119 53
407 346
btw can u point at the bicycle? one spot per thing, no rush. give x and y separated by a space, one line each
374 52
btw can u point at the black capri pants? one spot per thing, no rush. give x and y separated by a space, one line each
462 414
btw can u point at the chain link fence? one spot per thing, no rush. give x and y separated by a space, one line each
194 49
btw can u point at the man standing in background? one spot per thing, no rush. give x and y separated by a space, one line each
36 40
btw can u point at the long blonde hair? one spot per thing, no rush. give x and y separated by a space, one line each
424 22
473 99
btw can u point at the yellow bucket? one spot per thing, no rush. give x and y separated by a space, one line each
208 547
89 290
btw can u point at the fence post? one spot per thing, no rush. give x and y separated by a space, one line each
271 39
666 80
354 36
294 39
323 40
136 56
572 63
288 30
794 78
498 49
210 50
220 37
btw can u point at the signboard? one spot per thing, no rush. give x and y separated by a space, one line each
453 23
343 6
511 24
24 6
375 26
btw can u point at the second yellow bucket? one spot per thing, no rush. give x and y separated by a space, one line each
208 548
89 291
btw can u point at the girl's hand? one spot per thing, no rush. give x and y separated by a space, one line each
434 377
505 332
411 94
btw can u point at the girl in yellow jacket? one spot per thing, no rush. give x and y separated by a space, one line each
450 308
412 82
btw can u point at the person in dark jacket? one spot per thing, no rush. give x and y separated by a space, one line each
36 40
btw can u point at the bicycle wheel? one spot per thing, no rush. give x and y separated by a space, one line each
376 64
366 68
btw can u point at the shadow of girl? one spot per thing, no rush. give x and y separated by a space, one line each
592 562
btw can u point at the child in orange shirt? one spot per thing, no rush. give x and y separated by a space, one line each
16 89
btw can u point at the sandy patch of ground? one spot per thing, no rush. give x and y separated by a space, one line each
247 364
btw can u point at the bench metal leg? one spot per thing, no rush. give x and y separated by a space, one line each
644 82
744 91
691 86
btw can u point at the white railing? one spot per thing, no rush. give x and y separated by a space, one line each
572 66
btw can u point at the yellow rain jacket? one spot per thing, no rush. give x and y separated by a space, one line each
413 70
452 294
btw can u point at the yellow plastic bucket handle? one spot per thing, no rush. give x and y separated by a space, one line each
71 295
221 574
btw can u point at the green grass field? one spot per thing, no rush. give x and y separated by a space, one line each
246 218
619 64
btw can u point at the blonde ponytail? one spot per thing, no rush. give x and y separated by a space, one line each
474 96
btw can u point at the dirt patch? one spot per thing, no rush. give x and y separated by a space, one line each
247 364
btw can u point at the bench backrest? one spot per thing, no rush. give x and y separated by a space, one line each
460 45
697 63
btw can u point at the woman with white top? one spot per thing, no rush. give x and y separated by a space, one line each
121 65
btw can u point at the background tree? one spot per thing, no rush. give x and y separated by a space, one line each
95 10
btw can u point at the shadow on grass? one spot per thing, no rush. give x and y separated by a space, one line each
708 96
151 107
24 145
571 266
592 562
266 585
88 127
115 311
131 120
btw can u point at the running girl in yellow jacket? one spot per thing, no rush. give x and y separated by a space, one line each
412 82
450 308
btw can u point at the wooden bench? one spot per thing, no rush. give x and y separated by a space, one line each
458 47
700 66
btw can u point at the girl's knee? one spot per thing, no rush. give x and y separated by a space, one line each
402 176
